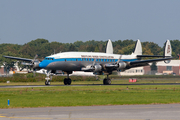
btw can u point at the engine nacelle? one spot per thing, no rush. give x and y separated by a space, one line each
97 68
97 73
36 65
122 65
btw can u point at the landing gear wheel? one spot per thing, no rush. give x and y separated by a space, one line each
47 82
104 81
67 81
107 81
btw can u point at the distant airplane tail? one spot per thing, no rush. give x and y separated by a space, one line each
137 48
109 47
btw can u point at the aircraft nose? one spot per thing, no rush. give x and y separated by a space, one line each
42 64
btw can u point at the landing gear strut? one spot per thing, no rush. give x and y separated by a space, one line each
107 81
47 82
67 81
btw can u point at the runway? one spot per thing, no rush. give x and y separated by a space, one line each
24 86
118 112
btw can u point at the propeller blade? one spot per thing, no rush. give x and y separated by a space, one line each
119 59
23 63
34 58
94 61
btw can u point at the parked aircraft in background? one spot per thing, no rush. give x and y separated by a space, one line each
96 62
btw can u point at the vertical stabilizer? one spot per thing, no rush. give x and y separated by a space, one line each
167 49
109 47
138 48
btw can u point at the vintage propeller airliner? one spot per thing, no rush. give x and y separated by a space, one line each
96 62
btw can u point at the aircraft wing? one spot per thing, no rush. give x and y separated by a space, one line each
152 56
149 61
18 58
127 65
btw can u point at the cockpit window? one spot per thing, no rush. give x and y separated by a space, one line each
49 58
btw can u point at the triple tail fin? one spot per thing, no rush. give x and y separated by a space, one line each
138 48
167 49
109 47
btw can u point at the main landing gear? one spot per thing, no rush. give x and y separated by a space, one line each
67 81
107 81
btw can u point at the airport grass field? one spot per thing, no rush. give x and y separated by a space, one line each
124 93
89 95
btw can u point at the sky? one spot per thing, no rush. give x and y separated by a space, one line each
68 21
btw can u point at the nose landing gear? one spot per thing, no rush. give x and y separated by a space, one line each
47 82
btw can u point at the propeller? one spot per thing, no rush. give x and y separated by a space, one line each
34 58
33 64
94 62
90 67
119 59
117 63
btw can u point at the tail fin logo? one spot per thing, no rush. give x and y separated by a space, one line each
168 49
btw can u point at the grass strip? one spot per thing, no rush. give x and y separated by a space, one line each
88 95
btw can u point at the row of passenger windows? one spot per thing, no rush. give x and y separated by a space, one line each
89 59
86 59
100 60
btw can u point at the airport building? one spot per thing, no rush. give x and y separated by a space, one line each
162 69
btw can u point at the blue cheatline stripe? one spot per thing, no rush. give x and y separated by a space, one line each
45 62
90 59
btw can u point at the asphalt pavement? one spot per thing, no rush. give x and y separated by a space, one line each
116 112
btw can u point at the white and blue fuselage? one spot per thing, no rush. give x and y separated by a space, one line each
74 61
